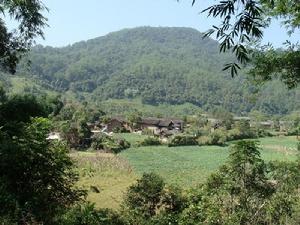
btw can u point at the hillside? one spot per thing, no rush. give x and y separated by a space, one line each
156 66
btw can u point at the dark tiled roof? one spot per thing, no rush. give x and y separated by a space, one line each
119 118
150 121
160 122
165 123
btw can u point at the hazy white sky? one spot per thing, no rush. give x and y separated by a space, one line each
72 21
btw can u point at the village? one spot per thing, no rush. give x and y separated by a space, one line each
165 128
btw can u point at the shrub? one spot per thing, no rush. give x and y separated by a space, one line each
37 177
149 141
204 140
233 134
86 214
294 131
107 143
218 137
147 131
120 130
181 140
262 133
143 198
150 202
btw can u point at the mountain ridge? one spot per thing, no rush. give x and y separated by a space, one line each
157 64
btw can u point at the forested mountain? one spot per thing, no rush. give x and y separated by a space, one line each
156 65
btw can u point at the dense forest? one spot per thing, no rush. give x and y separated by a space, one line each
156 65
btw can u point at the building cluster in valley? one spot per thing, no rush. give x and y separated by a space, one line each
164 127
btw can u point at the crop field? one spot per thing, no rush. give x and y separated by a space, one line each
185 166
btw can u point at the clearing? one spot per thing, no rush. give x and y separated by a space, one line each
186 166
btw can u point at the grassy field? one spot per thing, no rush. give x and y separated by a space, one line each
109 173
185 166
190 165
131 138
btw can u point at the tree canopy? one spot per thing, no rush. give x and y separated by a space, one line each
15 42
155 65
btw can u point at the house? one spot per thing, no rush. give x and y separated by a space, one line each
117 123
241 118
162 126
284 126
54 136
262 124
214 123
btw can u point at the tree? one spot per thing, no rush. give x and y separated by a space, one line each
144 197
37 176
246 190
151 202
134 119
14 43
225 117
243 22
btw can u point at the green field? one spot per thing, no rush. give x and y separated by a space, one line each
190 165
185 166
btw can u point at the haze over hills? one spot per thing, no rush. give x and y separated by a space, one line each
156 65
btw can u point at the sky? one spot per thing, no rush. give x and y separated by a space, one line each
71 21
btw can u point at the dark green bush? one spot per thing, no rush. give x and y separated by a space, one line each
217 137
120 130
182 140
147 131
110 144
294 131
143 198
86 214
149 141
151 202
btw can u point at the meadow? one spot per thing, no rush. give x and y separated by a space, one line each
185 166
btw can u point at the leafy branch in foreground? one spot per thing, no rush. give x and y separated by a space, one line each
16 42
242 22
242 25
285 64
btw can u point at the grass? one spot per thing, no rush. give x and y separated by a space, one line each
190 165
185 166
131 137
180 165
109 173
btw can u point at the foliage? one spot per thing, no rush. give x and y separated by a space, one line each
86 214
76 134
225 117
246 191
242 25
149 201
281 63
143 198
149 141
37 177
149 60
72 122
188 166
134 119
107 143
30 21
181 140
217 137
